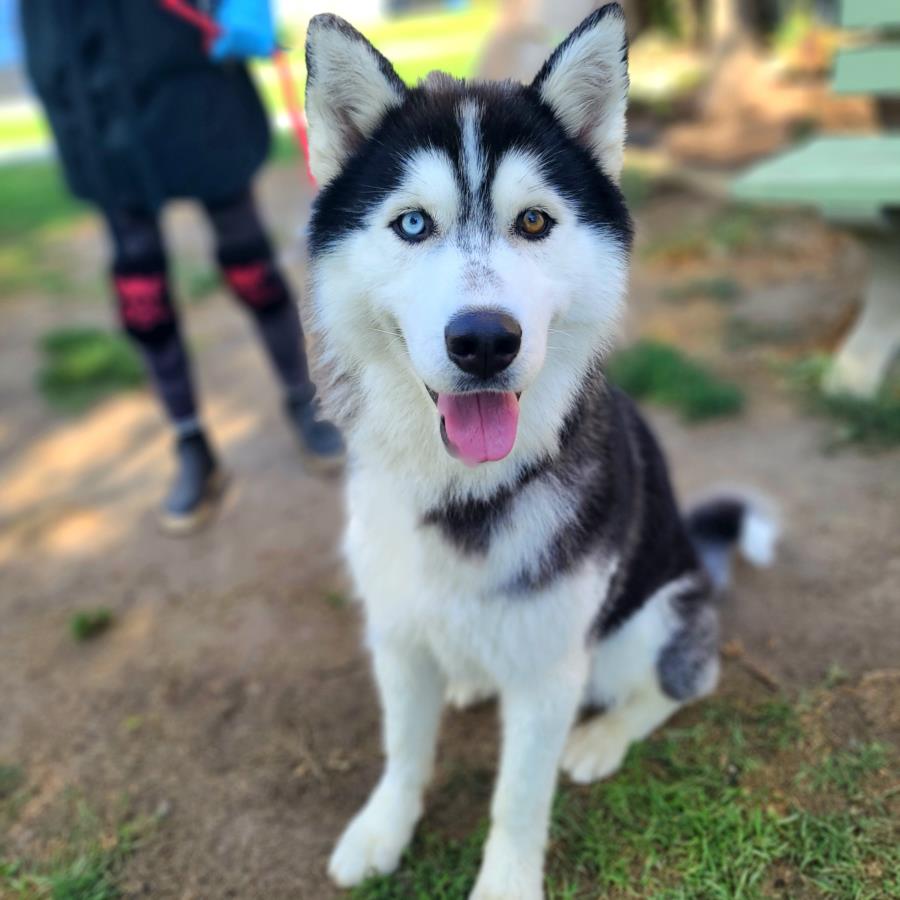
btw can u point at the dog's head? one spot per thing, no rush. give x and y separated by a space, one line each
470 241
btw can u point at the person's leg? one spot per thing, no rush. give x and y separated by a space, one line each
141 288
245 256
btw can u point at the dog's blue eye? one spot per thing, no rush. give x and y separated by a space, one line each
414 226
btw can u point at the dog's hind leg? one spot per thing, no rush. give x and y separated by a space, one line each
596 748
411 688
661 659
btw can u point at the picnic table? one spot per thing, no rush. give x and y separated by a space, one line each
854 180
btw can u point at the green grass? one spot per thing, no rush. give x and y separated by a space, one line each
90 623
33 202
871 423
33 196
661 374
86 873
689 817
336 599
11 779
87 877
845 770
731 230
83 365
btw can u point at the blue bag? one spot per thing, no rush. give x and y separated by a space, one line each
248 30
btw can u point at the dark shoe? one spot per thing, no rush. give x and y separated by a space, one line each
197 489
320 441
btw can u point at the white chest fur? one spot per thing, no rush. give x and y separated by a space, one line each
420 589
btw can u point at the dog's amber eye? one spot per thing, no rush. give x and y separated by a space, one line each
532 223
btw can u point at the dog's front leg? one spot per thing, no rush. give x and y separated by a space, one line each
537 718
411 688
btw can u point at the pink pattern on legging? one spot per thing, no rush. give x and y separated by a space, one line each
254 282
143 300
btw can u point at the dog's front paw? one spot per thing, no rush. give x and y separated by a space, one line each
374 841
509 886
509 875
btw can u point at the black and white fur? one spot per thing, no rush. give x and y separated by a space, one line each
561 577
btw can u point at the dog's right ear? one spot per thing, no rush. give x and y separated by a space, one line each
349 88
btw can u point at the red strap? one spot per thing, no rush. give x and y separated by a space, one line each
295 111
200 20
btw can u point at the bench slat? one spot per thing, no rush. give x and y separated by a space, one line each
852 177
869 70
870 14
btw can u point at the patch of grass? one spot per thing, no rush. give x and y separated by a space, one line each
659 373
35 205
836 675
91 623
433 869
731 230
85 878
11 779
336 599
688 817
843 854
846 769
34 196
720 288
873 423
27 265
83 365
88 873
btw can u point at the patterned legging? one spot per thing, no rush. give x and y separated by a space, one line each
147 313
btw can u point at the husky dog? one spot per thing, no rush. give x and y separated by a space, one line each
511 529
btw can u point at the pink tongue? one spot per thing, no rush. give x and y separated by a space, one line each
480 427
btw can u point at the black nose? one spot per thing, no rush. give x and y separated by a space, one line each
483 343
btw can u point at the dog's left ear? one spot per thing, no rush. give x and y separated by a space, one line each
585 82
349 88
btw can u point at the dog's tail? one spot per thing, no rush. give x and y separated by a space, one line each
733 519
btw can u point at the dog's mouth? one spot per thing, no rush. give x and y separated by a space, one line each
478 426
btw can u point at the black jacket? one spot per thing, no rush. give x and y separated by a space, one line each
139 112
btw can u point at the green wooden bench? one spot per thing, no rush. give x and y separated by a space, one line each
855 181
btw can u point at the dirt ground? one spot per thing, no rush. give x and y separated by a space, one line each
231 699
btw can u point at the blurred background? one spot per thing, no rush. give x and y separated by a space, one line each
195 719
